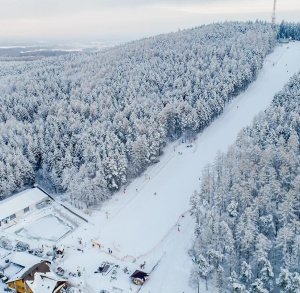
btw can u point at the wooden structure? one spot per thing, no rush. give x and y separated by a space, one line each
60 251
47 282
139 277
19 281
35 279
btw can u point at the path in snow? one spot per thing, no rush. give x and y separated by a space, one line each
140 221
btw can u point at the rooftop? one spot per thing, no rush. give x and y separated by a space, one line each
140 275
44 282
12 270
26 271
20 201
24 259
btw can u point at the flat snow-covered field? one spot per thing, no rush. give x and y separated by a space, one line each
150 221
48 227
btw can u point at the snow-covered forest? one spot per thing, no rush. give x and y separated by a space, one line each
247 210
289 30
89 122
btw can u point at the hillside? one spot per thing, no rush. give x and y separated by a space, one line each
143 225
247 210
88 123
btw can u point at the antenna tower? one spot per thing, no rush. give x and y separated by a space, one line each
273 14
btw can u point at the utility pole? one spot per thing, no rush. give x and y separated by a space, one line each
274 13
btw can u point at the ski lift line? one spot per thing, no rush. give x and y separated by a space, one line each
162 166
277 59
153 268
152 172
164 238
150 251
136 193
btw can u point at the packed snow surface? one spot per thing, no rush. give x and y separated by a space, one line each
148 220
142 220
49 228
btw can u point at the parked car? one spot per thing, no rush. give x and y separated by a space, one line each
6 244
38 252
60 271
21 246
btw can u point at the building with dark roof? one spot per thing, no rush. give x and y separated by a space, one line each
139 277
35 276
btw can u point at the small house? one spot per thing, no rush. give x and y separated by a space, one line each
60 251
139 277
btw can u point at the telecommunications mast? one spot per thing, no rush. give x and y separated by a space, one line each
273 14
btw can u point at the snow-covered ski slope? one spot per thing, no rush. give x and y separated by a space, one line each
142 222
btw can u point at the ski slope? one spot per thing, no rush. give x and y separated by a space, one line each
141 222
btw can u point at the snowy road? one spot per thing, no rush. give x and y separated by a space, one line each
142 222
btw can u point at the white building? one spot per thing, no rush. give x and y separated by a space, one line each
17 205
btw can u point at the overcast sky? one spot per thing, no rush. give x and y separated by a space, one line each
120 20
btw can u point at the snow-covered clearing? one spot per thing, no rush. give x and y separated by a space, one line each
49 228
142 223
48 224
